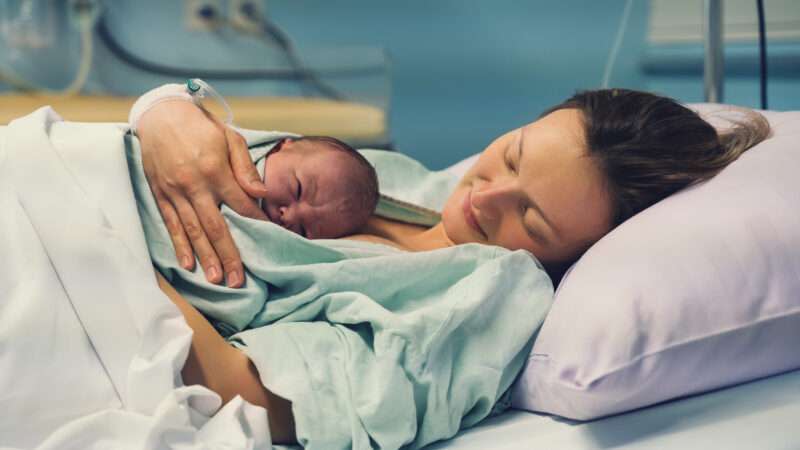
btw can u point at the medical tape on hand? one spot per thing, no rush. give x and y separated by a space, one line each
195 90
200 90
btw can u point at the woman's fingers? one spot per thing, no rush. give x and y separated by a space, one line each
223 250
183 248
232 195
199 225
200 243
243 168
187 159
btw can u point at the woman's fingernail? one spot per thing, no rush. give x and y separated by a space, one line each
233 278
186 262
257 184
213 274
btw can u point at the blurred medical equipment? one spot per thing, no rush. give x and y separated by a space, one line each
713 43
30 24
714 66
270 33
26 24
762 53
338 91
714 63
612 56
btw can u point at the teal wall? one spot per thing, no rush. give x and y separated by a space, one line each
463 71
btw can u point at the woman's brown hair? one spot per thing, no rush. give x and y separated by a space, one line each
649 146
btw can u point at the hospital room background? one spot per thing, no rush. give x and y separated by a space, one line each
442 77
436 80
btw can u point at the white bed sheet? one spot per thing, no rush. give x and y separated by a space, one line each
762 414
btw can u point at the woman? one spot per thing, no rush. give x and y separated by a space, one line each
553 187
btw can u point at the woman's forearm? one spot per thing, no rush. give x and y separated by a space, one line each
214 363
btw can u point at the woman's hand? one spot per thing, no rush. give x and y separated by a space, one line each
193 163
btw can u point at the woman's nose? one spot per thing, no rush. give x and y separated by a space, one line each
494 198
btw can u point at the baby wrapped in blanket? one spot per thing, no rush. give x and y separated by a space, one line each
374 346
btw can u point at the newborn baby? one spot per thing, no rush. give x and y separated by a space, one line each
318 187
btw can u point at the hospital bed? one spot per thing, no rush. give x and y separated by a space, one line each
103 368
760 414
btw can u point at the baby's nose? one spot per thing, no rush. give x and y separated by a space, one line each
285 215
289 216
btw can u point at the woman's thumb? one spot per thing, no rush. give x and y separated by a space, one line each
243 168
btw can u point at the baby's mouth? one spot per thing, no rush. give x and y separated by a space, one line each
265 208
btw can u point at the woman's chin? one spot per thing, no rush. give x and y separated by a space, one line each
455 230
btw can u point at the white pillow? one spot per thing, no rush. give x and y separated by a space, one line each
700 291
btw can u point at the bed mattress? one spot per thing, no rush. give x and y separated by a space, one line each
758 415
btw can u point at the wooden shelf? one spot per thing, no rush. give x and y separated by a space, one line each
355 123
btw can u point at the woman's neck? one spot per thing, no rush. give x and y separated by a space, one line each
429 239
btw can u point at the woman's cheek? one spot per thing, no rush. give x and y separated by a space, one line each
450 218
515 239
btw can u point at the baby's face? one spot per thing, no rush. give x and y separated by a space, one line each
307 193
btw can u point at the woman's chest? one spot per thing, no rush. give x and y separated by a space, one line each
388 232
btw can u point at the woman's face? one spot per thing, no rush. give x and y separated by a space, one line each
533 188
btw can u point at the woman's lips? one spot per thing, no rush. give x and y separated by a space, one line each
469 215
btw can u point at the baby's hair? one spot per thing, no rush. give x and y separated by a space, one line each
367 192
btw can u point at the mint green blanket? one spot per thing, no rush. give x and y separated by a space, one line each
375 347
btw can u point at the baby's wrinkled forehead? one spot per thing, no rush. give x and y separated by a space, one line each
355 185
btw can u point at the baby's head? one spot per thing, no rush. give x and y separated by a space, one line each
319 187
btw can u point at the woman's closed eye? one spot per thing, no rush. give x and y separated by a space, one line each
509 162
512 152
523 211
534 233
